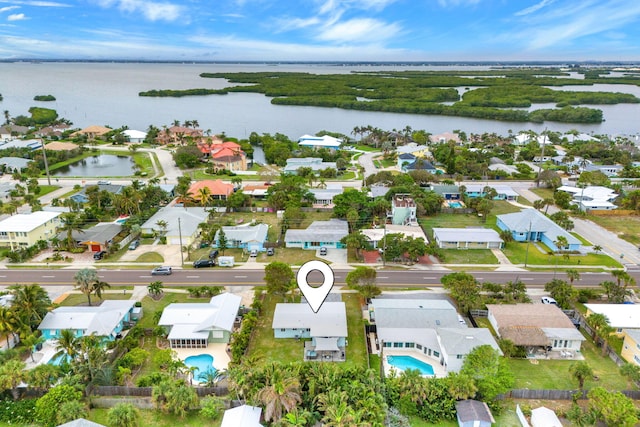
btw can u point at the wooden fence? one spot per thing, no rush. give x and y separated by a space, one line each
116 390
524 393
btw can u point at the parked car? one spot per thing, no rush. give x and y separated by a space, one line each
203 263
161 271
253 253
548 300
271 251
104 182
99 255
133 245
213 254
323 251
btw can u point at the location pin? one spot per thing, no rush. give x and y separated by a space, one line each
315 296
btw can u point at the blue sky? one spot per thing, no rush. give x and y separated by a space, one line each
321 30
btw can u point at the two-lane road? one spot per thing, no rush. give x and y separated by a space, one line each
234 277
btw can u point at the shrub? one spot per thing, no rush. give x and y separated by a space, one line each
47 406
18 411
211 407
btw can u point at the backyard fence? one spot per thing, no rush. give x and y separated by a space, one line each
524 393
116 390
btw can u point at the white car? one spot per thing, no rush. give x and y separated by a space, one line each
548 300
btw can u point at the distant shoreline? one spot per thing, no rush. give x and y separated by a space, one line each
346 63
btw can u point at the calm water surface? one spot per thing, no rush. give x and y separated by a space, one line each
107 94
101 165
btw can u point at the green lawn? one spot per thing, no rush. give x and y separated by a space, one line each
363 147
442 220
626 227
517 253
584 241
469 256
545 193
357 346
554 374
150 306
153 257
507 418
81 299
46 189
159 419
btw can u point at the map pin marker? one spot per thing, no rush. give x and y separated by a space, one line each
315 296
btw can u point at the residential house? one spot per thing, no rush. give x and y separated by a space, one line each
612 171
532 225
179 135
376 236
323 197
378 190
327 328
92 132
6 188
258 191
247 237
217 189
97 238
414 149
591 197
430 328
135 136
419 164
524 138
182 224
11 131
81 196
544 417
315 163
473 413
319 234
5 133
60 146
503 192
242 416
31 144
467 238
540 328
106 320
51 131
316 142
620 316
14 164
195 325
403 210
448 192
631 346
571 137
24 230
443 138
224 155
405 159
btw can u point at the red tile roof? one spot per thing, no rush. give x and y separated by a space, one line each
217 188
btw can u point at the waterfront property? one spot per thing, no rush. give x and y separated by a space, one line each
247 237
23 230
619 316
181 224
106 320
542 329
467 238
532 225
224 155
327 328
316 142
82 197
319 234
195 325
135 136
14 164
429 331
315 163
92 132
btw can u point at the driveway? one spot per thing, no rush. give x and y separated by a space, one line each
366 161
170 253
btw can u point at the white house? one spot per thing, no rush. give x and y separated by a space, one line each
182 223
467 238
242 416
315 163
620 316
377 235
323 197
248 237
591 197
324 141
195 325
135 136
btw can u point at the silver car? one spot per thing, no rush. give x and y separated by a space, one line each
161 271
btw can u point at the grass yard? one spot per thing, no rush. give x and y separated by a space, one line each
467 220
517 252
554 374
46 189
73 300
507 418
469 256
545 193
159 419
264 346
584 241
150 257
625 227
363 147
357 346
292 256
150 306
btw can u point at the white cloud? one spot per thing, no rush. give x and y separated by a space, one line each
16 17
152 11
534 8
358 30
8 8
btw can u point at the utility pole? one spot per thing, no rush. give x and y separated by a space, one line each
180 234
544 143
526 255
46 163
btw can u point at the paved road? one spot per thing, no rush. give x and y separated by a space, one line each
234 277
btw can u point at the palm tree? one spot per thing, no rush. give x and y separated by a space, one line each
597 248
581 371
12 373
9 323
572 274
281 392
85 281
30 341
561 243
31 302
600 325
69 223
68 344
203 196
124 415
98 287
155 289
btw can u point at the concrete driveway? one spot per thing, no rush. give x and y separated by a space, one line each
170 253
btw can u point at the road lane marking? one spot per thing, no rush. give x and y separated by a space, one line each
193 277
527 278
429 278
240 277
48 277
383 277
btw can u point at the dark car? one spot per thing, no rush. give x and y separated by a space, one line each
213 254
161 271
99 255
271 251
201 263
133 245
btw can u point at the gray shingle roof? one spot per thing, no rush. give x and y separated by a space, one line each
190 218
245 234
329 321
396 313
473 410
532 219
332 230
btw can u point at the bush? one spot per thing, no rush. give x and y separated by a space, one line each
47 406
18 411
211 407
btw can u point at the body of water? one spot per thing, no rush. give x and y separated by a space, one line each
99 165
107 94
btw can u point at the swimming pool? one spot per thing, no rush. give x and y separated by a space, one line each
58 360
455 205
202 362
408 362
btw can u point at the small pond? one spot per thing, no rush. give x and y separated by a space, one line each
99 166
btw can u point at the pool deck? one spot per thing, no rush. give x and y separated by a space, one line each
438 370
218 351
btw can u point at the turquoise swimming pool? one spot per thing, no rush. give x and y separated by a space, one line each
57 360
202 362
453 204
408 362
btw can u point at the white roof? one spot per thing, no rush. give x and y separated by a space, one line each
191 318
99 320
319 141
135 134
189 217
619 315
327 344
377 234
544 417
591 192
500 189
245 233
471 234
27 222
329 321
332 230
242 416
597 204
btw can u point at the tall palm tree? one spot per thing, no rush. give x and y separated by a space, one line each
281 393
203 196
31 303
9 323
99 286
68 344
12 373
85 281
572 275
70 223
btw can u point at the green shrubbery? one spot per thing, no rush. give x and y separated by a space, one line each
17 412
